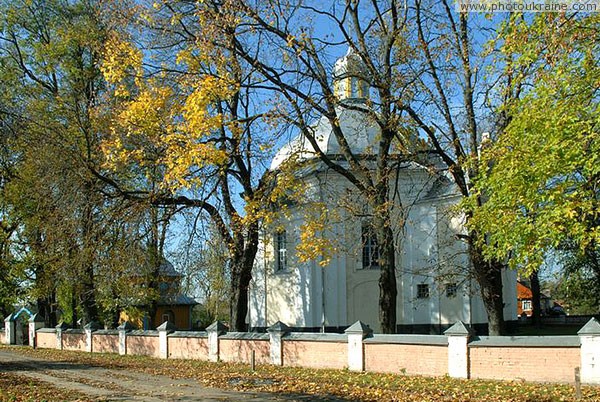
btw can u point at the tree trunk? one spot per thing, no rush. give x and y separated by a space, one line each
88 289
238 306
489 278
241 275
154 288
88 297
74 317
151 311
388 290
45 306
535 299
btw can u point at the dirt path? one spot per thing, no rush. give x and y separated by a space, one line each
124 385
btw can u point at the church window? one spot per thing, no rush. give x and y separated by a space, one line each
422 291
451 290
370 251
354 87
348 88
281 250
363 89
336 87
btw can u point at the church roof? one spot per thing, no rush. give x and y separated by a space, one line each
172 300
360 130
167 269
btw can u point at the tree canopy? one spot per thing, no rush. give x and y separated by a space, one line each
541 175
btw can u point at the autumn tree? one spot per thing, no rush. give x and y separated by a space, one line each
280 42
65 222
424 63
543 185
185 130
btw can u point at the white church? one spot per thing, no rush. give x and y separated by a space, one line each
432 265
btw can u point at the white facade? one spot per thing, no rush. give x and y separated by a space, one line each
432 265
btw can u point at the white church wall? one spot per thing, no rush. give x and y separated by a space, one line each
288 291
429 252
421 266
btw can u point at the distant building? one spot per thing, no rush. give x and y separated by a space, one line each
525 301
172 305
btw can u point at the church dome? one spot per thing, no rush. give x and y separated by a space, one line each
350 65
360 130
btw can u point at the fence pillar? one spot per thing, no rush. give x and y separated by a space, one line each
214 330
163 342
589 336
123 330
458 350
276 332
89 328
356 333
36 322
9 330
60 328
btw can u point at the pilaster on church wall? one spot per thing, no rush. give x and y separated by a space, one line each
258 295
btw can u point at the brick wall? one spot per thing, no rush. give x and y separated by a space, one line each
315 354
554 364
142 345
73 341
240 350
533 358
409 359
105 343
46 339
188 348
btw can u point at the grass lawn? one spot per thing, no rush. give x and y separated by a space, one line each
16 388
339 383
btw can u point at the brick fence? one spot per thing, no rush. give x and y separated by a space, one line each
456 353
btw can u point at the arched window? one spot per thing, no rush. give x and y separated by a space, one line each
370 248
281 250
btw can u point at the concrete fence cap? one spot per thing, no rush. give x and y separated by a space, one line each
167 326
279 327
218 327
126 326
9 318
591 328
62 326
37 317
458 329
359 327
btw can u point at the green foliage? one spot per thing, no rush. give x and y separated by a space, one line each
578 284
72 244
540 179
